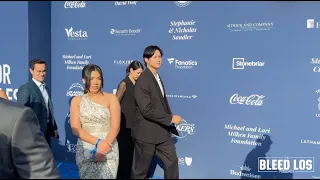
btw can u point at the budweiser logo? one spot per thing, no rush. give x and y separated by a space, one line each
74 4
253 100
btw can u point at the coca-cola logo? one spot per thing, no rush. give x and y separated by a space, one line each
252 100
74 4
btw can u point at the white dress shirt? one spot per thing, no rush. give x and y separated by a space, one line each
161 88
44 94
159 83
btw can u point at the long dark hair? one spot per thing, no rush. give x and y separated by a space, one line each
86 74
134 65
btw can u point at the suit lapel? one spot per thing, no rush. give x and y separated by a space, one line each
163 99
158 89
37 89
172 126
165 96
49 100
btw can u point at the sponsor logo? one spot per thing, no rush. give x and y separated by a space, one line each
182 3
185 129
182 64
75 89
239 63
74 4
252 100
76 35
125 32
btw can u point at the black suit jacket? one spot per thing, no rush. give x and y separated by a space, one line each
24 152
153 115
30 95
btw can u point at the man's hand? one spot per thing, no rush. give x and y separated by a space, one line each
176 119
56 134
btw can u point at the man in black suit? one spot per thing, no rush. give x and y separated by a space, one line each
24 152
153 122
35 94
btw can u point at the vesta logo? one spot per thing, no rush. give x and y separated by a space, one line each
76 35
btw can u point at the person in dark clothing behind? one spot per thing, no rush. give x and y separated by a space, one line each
125 94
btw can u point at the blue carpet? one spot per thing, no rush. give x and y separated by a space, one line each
68 170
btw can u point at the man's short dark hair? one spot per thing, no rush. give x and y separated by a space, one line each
149 52
35 61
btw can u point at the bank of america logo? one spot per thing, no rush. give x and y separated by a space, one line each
310 23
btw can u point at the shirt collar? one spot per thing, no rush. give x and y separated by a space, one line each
38 83
156 76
